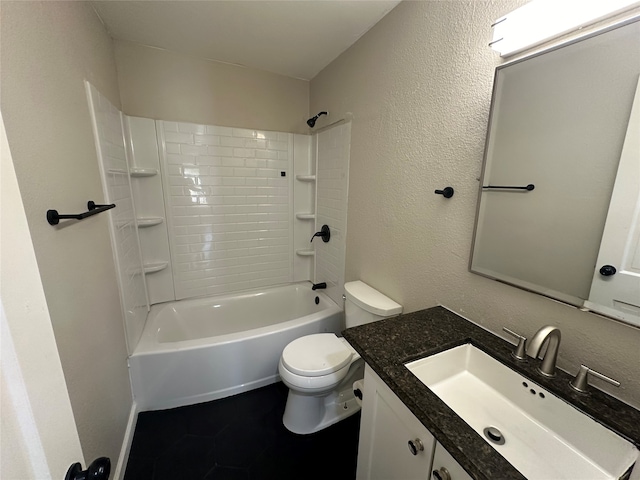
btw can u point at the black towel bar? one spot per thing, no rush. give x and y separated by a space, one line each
529 187
53 217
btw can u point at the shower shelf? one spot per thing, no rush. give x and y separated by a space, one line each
155 267
305 253
305 216
117 170
306 178
144 222
143 172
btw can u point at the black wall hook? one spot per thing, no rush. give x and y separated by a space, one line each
446 192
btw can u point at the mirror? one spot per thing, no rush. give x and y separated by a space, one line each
562 132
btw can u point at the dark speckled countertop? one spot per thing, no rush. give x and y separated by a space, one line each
388 344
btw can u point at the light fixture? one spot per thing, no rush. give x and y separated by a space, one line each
542 20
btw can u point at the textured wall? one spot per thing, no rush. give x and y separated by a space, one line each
419 87
47 50
32 382
159 84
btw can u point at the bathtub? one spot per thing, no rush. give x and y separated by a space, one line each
202 349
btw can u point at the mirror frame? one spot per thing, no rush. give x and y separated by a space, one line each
564 298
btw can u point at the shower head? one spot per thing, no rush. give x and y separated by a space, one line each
312 121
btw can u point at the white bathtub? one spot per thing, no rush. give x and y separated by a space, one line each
202 349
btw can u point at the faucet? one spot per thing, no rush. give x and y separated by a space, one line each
548 366
317 286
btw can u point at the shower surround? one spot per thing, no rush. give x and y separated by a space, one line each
216 210
228 193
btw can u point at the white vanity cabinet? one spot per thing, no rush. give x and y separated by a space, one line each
445 467
393 442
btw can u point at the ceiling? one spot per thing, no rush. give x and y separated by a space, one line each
296 38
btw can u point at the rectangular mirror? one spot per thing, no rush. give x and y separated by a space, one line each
564 130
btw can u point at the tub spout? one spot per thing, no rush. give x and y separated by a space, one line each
317 286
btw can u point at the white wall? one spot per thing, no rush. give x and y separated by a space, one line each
35 442
160 84
304 207
114 168
148 198
47 50
419 87
229 209
332 183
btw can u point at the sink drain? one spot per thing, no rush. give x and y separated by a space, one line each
495 435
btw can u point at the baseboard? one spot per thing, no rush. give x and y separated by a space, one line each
118 473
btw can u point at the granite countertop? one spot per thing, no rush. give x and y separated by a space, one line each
388 344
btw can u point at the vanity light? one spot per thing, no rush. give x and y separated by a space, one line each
542 20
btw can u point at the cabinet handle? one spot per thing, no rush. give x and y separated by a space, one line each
442 474
415 446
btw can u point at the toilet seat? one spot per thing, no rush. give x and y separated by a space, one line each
316 355
301 383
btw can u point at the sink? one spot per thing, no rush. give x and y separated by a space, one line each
541 435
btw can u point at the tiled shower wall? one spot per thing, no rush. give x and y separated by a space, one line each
229 207
108 133
332 160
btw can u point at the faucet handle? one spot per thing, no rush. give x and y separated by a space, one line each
520 352
580 383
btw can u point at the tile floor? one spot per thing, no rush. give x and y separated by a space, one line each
239 437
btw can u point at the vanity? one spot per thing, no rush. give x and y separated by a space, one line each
408 432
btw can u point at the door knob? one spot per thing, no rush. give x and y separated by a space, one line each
607 270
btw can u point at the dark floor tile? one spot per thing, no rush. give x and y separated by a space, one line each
240 437
157 431
139 468
185 459
241 443
226 473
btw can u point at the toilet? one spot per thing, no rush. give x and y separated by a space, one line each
320 369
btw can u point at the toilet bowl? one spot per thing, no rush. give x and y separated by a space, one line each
320 369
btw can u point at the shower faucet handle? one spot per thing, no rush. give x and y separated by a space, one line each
520 352
324 233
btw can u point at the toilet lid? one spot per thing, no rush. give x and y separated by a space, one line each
316 355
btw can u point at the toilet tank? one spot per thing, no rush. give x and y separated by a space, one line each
364 304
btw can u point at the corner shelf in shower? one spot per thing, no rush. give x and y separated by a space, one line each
306 178
144 222
143 172
305 216
305 253
155 267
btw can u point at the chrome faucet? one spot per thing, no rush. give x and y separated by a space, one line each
548 367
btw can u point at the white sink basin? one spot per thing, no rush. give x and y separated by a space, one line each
544 437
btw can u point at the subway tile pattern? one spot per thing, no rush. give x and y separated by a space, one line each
228 195
332 183
107 123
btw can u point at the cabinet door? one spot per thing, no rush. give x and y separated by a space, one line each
445 467
386 428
